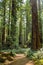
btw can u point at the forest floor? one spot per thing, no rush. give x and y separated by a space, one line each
21 59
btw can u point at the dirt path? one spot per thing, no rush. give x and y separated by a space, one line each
21 59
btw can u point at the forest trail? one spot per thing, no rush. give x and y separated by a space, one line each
21 59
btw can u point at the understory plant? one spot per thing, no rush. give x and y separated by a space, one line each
35 54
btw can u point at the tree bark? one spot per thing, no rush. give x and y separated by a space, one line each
40 22
13 21
35 28
3 30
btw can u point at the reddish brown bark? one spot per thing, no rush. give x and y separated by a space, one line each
35 29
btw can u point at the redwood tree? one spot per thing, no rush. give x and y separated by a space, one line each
35 28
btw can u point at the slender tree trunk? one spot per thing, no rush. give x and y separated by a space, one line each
13 21
27 26
9 17
40 22
20 26
3 30
9 25
35 28
20 32
24 36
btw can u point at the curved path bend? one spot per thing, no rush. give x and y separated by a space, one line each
21 59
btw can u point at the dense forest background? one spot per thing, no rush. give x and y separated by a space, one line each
21 24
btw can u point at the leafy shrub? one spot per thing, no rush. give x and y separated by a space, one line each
20 51
29 53
25 46
39 54
39 62
9 41
35 54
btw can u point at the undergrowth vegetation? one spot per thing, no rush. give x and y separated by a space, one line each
37 56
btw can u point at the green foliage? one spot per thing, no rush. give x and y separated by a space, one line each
9 41
39 54
39 62
35 54
21 14
24 46
29 53
19 50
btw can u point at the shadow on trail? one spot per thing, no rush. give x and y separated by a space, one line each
22 61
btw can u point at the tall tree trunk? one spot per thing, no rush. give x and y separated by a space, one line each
35 28
9 21
20 31
8 25
13 22
20 27
40 22
27 26
3 30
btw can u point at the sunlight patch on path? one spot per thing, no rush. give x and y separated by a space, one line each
21 59
30 63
